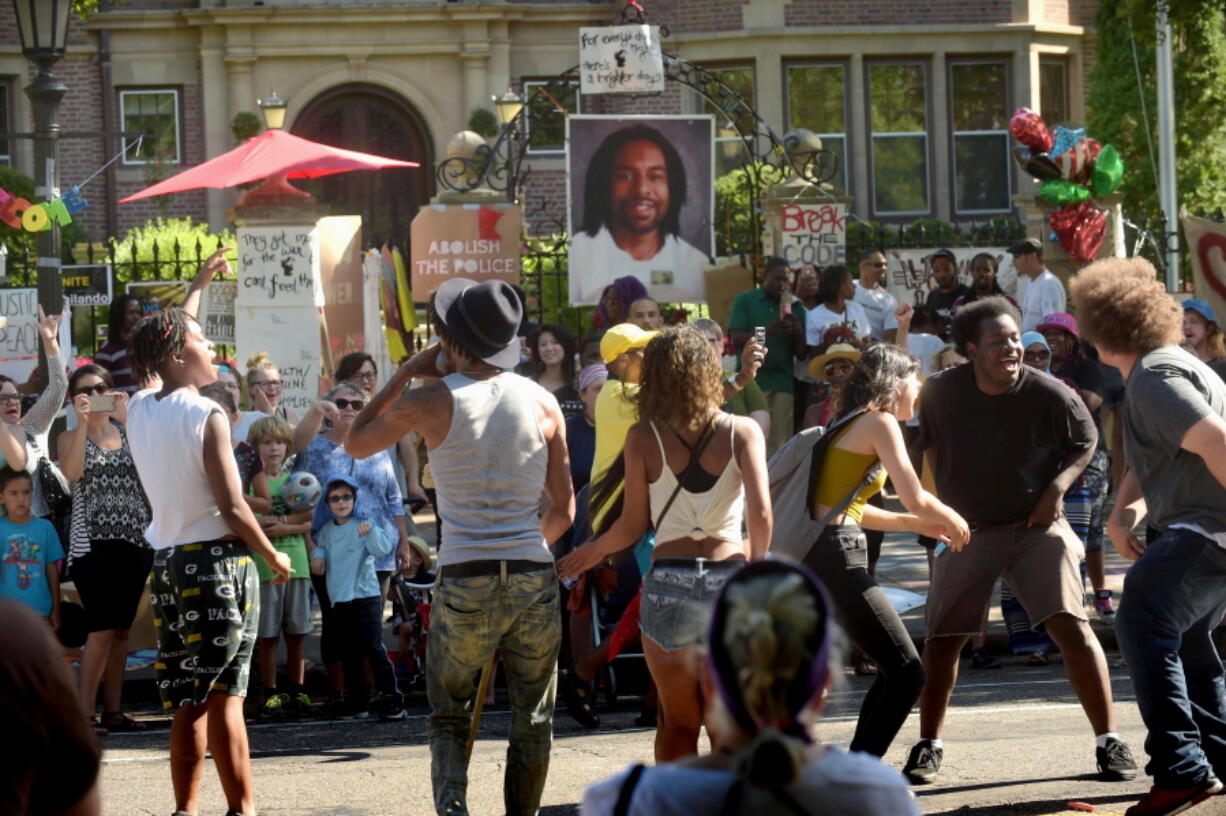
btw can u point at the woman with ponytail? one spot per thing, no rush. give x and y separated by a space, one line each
880 392
771 656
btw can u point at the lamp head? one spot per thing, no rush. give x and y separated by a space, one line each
273 109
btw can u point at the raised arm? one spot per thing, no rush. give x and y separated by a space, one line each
308 428
71 444
13 446
212 265
394 412
222 472
39 418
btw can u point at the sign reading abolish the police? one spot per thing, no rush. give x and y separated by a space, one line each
620 59
812 234
87 284
475 241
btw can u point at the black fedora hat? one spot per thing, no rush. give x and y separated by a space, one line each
483 317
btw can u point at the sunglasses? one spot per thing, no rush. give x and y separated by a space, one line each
356 405
99 389
838 368
339 498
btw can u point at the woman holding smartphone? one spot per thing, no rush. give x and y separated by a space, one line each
107 553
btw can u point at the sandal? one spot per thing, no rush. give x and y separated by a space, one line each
575 695
1038 657
96 727
116 722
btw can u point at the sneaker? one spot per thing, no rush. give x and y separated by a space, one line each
923 764
1103 606
391 707
1115 761
301 704
981 658
274 707
338 708
1162 802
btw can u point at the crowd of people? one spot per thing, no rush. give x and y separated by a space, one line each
631 476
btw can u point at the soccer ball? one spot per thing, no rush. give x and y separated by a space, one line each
300 491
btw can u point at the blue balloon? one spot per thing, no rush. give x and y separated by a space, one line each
1063 139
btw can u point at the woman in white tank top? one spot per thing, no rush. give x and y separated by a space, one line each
696 503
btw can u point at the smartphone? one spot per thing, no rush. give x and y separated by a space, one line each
101 403
759 335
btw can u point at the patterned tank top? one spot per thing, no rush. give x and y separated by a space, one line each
108 502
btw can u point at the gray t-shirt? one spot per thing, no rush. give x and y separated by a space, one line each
1168 392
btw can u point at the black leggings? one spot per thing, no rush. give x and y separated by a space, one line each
331 648
839 559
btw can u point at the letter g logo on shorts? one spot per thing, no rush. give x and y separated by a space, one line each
216 551
189 569
220 641
225 591
191 614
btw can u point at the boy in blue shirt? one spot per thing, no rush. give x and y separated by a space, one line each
345 553
29 548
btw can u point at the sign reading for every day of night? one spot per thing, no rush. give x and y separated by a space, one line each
475 241
813 234
620 59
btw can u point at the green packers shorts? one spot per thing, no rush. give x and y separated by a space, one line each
206 607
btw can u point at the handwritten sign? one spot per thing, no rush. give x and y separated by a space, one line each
291 338
620 59
813 234
19 337
475 241
909 271
278 266
87 284
217 311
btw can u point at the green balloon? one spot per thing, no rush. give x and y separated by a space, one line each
1108 172
1060 191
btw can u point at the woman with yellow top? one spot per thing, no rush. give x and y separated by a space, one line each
883 386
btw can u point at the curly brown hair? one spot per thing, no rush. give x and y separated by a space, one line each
682 381
1122 307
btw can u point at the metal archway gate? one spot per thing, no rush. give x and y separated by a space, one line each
767 160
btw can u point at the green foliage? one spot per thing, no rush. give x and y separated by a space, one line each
245 125
483 122
1115 100
736 194
179 241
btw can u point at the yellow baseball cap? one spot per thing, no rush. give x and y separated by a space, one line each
622 338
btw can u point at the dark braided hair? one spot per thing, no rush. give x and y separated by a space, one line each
155 338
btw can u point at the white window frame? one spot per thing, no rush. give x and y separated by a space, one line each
1003 133
845 136
559 151
6 121
873 136
174 93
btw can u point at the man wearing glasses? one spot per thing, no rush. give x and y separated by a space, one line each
876 298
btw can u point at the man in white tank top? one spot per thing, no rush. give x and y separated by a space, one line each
497 443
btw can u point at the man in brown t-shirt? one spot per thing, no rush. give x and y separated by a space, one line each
1006 442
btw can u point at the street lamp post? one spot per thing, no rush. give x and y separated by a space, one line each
43 27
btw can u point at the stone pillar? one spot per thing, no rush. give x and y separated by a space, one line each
214 87
795 191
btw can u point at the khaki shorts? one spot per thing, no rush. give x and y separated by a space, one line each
1041 564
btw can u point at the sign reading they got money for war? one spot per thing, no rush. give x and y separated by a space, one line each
476 241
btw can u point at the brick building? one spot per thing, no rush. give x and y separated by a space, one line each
913 95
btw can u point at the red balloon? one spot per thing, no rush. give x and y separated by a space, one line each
1081 229
1029 129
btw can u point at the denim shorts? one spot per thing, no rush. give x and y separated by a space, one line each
677 597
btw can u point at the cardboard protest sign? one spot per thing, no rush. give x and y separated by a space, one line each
157 295
909 271
278 266
620 59
217 311
812 234
476 241
1207 246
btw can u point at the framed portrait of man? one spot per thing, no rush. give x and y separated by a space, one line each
640 203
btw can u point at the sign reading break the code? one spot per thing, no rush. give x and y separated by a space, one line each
813 234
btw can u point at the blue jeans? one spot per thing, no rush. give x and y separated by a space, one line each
470 618
1174 596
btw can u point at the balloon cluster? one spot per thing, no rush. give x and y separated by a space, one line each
1072 170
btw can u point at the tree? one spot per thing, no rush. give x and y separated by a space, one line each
1123 107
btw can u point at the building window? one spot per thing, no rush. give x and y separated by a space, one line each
6 122
1053 89
548 105
817 100
898 123
730 153
155 113
979 105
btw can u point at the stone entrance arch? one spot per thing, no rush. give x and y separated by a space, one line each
372 119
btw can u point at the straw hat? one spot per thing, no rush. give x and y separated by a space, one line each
839 351
423 549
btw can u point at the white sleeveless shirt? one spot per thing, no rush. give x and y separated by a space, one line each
167 441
